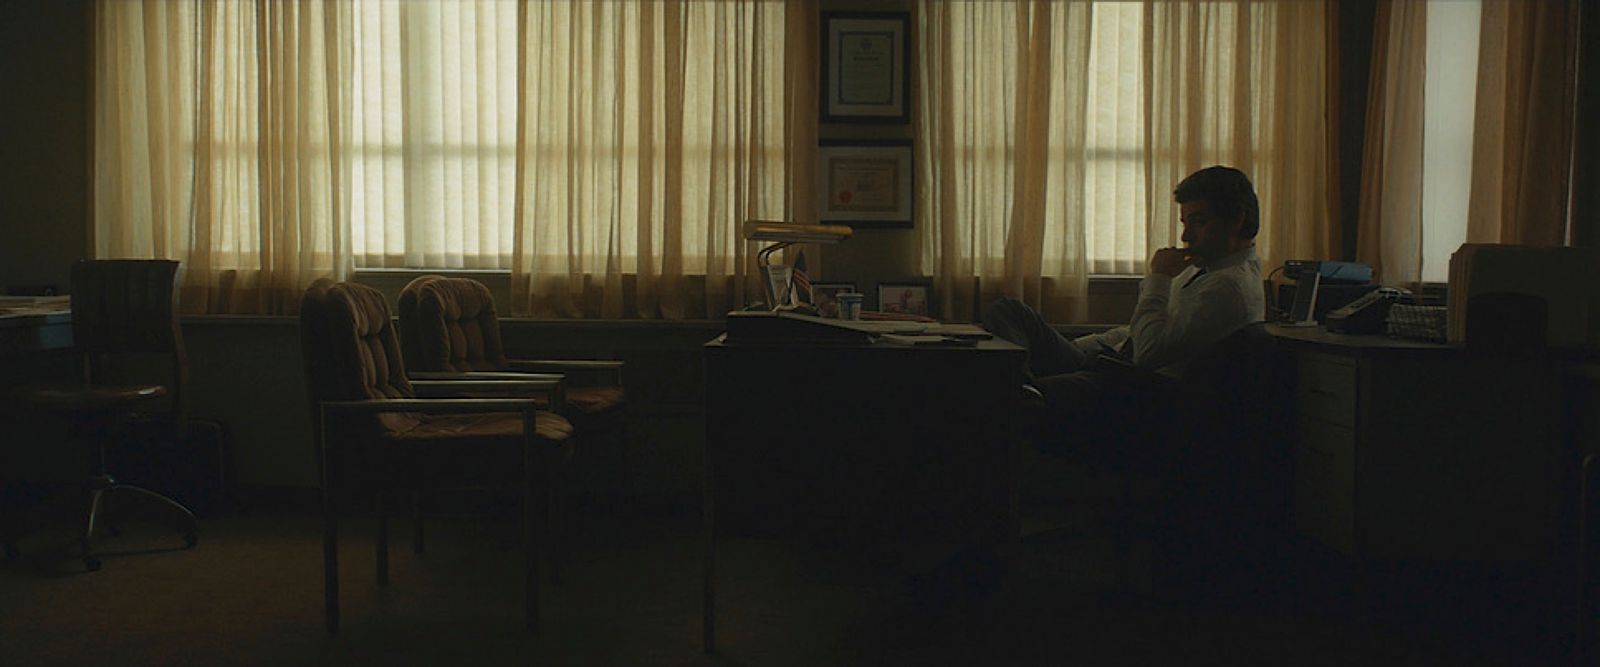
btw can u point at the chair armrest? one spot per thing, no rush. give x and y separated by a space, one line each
1119 369
568 364
608 366
481 375
432 405
440 387
555 390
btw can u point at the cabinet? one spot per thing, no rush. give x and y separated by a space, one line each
1412 451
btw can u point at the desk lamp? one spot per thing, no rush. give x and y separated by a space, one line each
783 235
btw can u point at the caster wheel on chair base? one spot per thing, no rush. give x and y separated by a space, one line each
91 564
189 540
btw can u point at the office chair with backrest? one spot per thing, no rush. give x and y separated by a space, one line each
374 432
449 326
122 312
1202 460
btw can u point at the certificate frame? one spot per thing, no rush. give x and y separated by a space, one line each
866 183
865 68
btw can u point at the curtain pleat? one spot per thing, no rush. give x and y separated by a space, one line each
650 131
999 117
1242 84
1523 131
219 129
1053 133
1389 237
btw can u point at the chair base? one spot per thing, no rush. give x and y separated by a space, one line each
160 509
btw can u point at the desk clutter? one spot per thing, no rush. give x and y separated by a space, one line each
34 305
1417 322
1496 295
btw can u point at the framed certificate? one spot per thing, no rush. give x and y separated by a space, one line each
864 58
864 183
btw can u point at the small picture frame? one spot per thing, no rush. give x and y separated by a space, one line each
824 297
907 298
865 183
865 61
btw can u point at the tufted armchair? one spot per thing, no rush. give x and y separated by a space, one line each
373 431
449 327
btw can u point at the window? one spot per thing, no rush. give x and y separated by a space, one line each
433 134
1450 100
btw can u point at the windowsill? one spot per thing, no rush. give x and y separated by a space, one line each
442 272
1093 277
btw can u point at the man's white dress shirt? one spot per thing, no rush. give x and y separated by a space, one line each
1179 316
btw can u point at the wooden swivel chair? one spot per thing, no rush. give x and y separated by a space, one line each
448 326
122 311
374 432
1201 462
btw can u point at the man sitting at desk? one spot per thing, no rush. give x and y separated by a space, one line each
1193 298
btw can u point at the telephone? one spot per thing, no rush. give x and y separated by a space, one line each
1367 314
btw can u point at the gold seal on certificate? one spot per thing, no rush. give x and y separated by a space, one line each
864 183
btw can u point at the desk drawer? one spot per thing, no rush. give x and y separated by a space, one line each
1327 389
1325 482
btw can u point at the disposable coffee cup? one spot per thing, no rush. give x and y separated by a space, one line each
849 305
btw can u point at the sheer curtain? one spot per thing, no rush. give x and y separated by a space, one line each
647 132
1389 236
1244 84
603 151
1515 157
433 138
1523 134
1053 135
1000 119
218 134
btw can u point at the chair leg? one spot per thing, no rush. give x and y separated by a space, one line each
554 526
383 540
165 510
416 521
96 499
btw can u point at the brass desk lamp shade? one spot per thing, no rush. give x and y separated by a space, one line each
784 234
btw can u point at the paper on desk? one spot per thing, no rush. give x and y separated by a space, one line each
890 327
899 339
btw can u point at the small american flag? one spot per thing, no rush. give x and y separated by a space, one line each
801 280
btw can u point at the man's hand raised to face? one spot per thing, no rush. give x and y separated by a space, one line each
1170 261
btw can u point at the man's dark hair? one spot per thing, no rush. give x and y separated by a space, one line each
1228 192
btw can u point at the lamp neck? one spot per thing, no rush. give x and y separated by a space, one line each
763 255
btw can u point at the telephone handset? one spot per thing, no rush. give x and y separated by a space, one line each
1366 314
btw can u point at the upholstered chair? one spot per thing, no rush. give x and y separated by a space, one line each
449 326
374 433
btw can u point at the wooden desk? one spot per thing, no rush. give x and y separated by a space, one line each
1407 450
866 452
35 346
35 331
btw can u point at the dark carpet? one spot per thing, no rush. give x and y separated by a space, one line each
251 594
